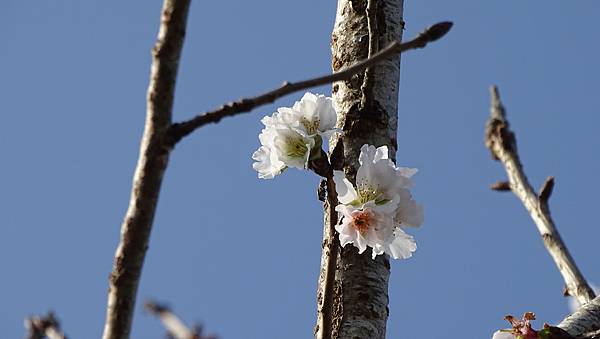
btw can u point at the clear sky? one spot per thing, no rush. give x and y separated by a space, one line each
240 254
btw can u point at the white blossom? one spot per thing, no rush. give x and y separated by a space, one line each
383 198
503 334
311 116
368 225
293 135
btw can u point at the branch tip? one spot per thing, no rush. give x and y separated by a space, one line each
437 31
500 186
546 190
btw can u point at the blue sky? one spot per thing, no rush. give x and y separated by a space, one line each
241 255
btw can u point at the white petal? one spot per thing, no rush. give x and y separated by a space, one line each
409 213
503 335
402 246
343 187
327 114
287 138
407 172
266 164
367 154
381 153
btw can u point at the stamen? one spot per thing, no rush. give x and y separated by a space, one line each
295 147
362 220
311 126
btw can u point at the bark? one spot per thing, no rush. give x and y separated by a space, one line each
152 163
360 308
502 143
586 319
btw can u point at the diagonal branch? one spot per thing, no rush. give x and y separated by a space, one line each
182 129
147 180
500 140
44 327
174 326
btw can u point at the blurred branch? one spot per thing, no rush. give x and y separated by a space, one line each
147 180
174 326
182 129
44 327
501 142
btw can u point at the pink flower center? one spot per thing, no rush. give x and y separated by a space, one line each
362 220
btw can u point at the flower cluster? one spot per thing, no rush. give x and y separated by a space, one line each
375 211
293 136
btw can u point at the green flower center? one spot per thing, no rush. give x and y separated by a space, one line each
295 148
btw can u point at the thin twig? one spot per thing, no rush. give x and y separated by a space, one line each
147 180
44 327
174 326
367 85
501 142
182 129
333 245
322 167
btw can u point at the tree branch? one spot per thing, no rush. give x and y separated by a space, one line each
585 320
44 327
182 129
367 86
331 247
174 326
501 142
147 180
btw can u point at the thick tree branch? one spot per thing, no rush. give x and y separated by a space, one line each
501 142
367 86
174 326
44 327
152 163
584 321
182 129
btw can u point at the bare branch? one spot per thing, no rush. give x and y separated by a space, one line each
546 190
500 186
331 246
174 326
152 162
501 142
585 320
44 327
182 129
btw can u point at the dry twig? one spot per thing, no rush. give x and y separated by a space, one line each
500 140
182 129
174 326
44 327
147 180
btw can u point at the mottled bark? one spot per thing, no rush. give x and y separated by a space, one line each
360 307
586 319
